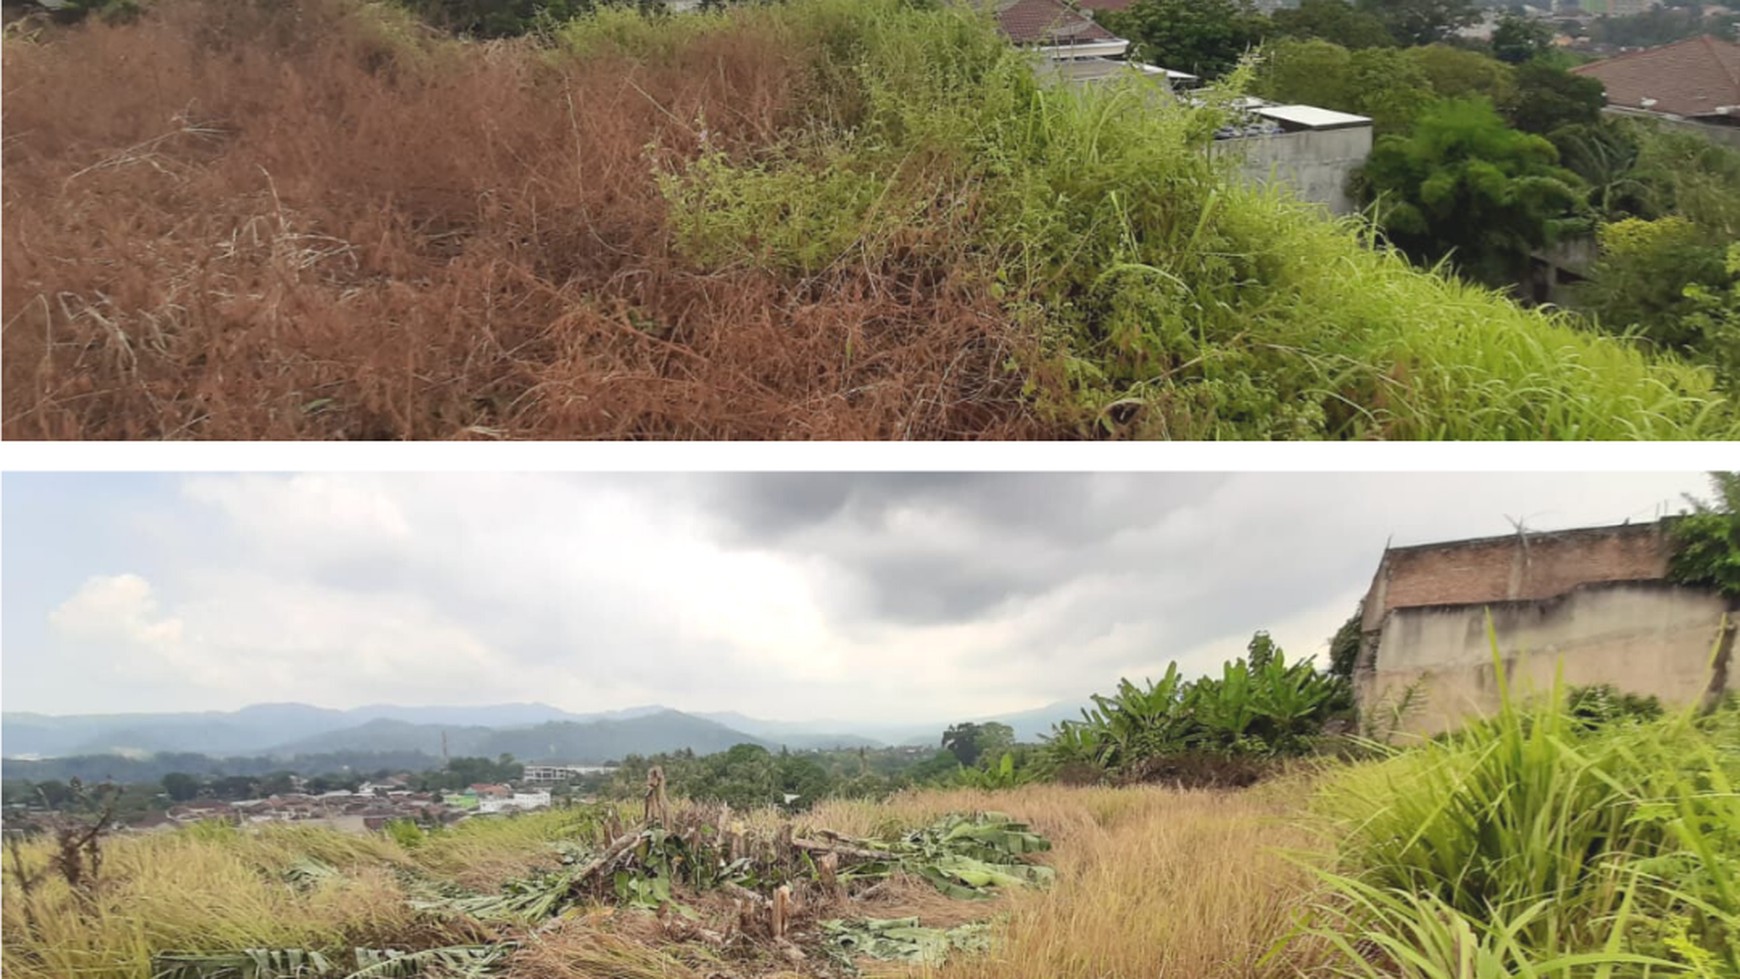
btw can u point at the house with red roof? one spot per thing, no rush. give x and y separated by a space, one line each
1690 84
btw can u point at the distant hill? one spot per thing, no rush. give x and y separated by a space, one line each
528 731
608 740
250 729
571 742
258 728
797 735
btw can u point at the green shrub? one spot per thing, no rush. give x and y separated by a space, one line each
1174 729
1611 839
406 833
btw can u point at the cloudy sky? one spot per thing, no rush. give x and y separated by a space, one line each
880 597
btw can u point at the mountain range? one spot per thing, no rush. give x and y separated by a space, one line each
529 732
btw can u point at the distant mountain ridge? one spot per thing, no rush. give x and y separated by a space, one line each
528 731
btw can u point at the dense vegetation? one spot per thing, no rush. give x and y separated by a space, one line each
1536 843
861 220
749 776
1214 730
1486 158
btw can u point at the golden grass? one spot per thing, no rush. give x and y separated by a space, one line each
1151 882
482 854
181 891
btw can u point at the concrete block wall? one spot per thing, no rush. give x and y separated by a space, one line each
1316 164
1645 637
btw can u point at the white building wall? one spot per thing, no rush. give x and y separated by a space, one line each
1317 164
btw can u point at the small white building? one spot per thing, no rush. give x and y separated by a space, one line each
556 774
519 801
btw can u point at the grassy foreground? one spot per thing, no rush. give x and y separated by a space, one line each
823 219
1149 882
1536 844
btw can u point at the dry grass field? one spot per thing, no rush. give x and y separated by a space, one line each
321 219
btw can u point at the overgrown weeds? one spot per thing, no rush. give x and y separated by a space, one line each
1546 842
815 220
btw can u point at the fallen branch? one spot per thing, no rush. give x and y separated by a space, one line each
604 860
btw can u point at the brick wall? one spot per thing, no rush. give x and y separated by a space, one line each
1509 568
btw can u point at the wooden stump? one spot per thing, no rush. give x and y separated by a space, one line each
657 807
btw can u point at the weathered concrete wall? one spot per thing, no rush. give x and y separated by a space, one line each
1316 164
1645 637
1512 567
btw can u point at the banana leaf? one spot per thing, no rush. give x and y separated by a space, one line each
902 939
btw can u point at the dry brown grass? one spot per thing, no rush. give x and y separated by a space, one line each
1151 882
321 223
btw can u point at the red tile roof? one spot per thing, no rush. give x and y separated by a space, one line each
1048 22
1693 77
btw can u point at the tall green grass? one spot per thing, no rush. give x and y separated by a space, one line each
1163 296
1548 844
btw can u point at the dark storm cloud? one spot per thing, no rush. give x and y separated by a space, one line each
926 548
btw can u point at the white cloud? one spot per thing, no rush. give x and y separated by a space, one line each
116 608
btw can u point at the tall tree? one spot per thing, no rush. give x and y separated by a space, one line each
1203 37
1416 22
969 741
1463 185
1344 646
1548 98
1516 39
180 786
1336 21
1261 650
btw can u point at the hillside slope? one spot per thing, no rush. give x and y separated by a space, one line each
823 219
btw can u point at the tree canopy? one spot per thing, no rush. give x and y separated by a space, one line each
1464 186
969 741
1416 22
1336 21
1203 37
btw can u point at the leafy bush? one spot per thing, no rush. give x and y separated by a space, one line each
1603 703
1707 540
1002 774
1465 187
1260 707
1639 282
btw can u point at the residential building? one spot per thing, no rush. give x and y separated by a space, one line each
1312 150
1315 151
1692 85
1590 606
1056 30
554 774
514 801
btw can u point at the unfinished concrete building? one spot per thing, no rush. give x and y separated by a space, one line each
1591 604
